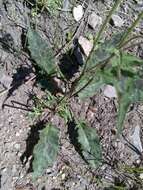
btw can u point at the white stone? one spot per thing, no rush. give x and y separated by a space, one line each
110 92
63 176
49 171
135 138
5 80
117 21
94 20
17 146
86 45
141 176
78 12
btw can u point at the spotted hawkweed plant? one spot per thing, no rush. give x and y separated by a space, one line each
108 63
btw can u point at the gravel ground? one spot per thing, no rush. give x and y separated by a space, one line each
18 131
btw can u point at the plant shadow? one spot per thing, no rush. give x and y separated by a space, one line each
31 141
49 83
70 63
19 78
73 136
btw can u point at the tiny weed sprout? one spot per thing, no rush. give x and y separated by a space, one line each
51 6
107 64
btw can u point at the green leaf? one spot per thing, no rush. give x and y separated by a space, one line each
94 83
127 62
64 111
104 51
90 89
40 52
45 152
129 92
90 144
51 5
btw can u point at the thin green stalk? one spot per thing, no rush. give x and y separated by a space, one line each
74 94
119 66
123 42
133 45
128 41
130 29
103 28
100 64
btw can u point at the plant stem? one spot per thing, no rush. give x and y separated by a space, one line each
115 6
133 45
102 29
130 29
82 88
133 38
119 68
100 64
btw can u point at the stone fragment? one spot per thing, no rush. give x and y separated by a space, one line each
17 146
135 138
94 20
85 45
110 92
141 176
78 13
117 21
5 80
63 176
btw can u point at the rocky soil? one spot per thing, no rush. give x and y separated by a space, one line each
18 131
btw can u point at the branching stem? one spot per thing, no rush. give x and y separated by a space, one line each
130 29
96 40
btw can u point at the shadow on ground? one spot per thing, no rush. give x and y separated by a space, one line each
31 141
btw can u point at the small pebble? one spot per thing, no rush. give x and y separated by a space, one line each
78 12
94 20
5 80
17 134
63 176
14 169
141 176
135 138
86 45
117 21
49 171
110 92
17 146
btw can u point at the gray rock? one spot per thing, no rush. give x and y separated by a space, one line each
85 45
94 20
66 7
117 21
14 169
135 138
78 12
110 92
5 80
66 4
17 146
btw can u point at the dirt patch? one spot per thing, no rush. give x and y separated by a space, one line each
19 132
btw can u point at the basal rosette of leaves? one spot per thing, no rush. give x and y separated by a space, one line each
124 71
47 147
107 64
